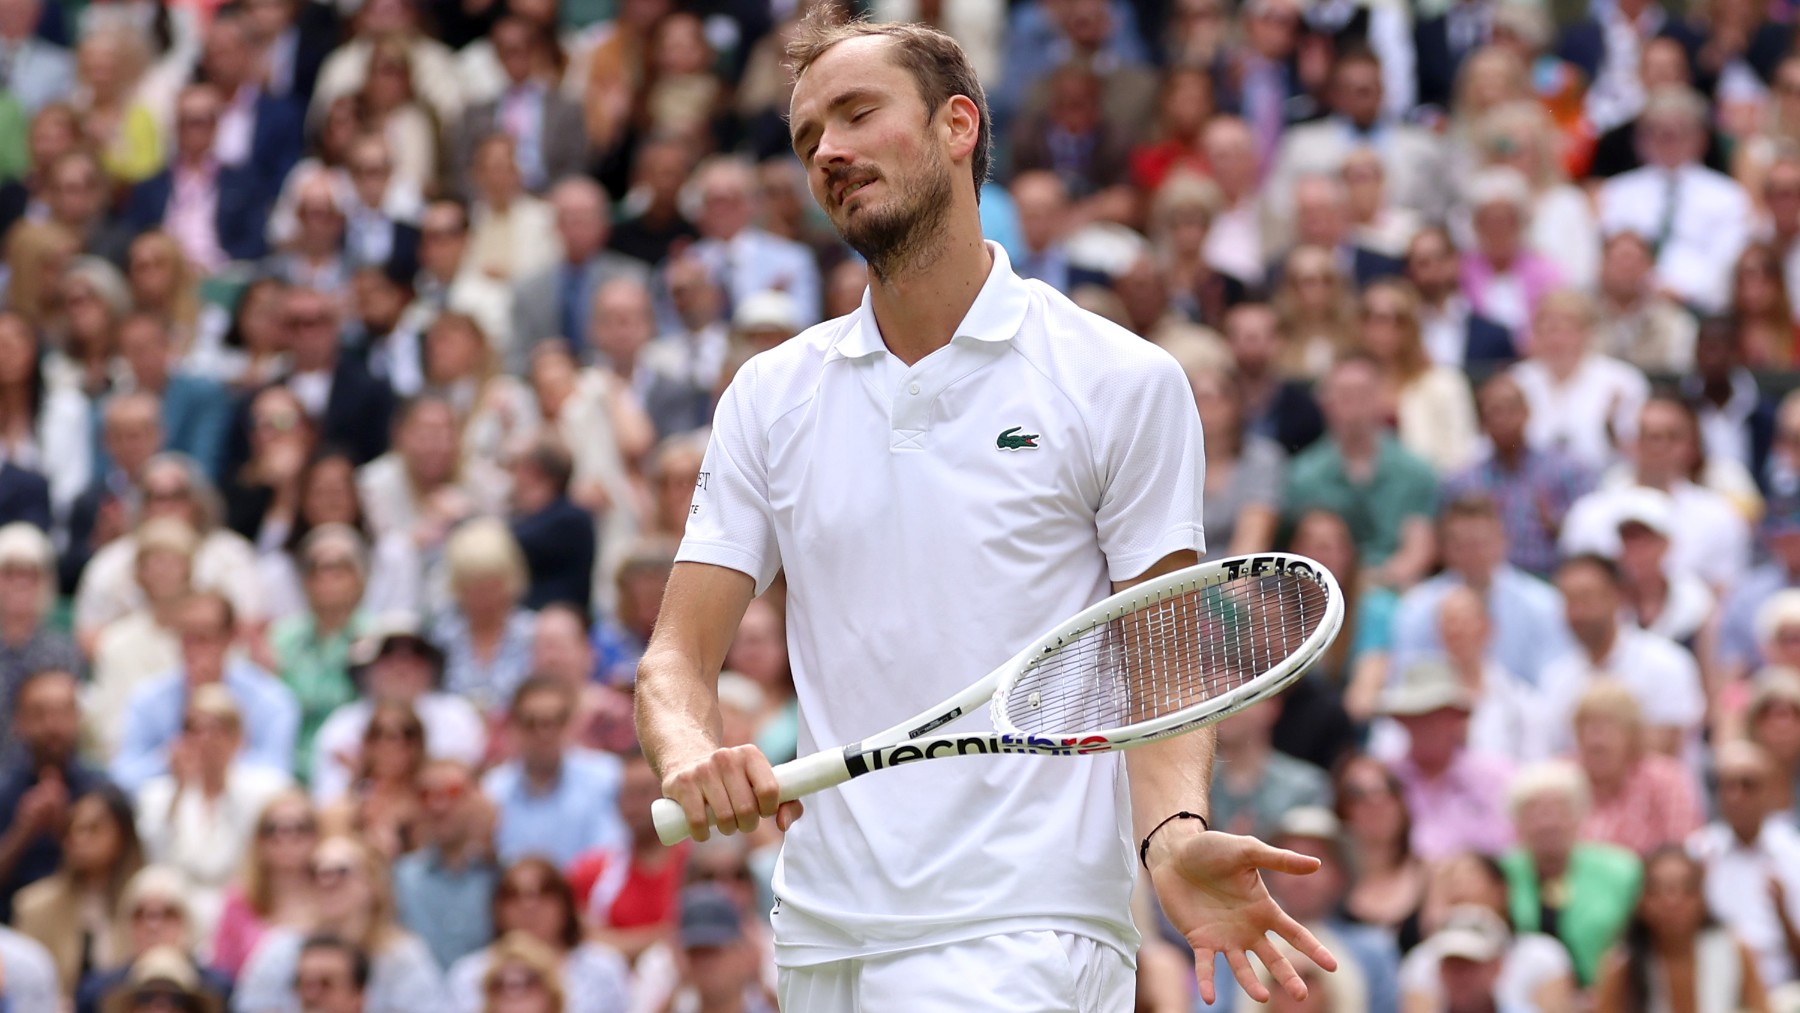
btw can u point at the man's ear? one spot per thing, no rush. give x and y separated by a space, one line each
962 126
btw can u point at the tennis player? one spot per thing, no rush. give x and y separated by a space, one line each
963 461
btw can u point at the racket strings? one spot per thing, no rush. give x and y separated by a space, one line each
1167 657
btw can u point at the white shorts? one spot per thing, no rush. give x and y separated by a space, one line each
1025 972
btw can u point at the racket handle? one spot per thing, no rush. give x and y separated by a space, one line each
797 778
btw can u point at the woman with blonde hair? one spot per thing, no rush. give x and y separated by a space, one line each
486 634
273 887
85 338
1431 405
388 105
1521 136
1488 78
36 255
1640 799
1317 311
1181 216
354 901
155 913
165 285
522 977
109 63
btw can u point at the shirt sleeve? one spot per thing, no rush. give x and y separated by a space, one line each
1152 460
730 523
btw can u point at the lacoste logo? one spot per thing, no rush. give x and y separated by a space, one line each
1012 439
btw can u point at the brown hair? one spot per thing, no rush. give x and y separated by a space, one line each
937 64
1410 360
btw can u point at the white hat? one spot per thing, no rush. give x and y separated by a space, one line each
1426 685
1471 932
770 310
1310 821
1652 508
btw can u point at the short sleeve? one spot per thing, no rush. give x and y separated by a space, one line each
730 524
1152 460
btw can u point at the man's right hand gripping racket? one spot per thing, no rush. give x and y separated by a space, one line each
1161 658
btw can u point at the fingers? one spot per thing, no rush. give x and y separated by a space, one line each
787 813
725 788
1246 975
1281 969
1306 943
1203 974
1273 859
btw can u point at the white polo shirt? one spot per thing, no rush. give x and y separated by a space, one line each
1660 673
932 520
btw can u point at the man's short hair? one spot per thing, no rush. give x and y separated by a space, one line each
535 684
218 601
35 676
358 958
548 455
1593 560
1468 508
936 62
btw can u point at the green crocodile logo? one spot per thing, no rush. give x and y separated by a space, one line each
1012 439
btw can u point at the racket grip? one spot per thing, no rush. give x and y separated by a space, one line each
797 778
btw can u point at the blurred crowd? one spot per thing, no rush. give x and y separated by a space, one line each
356 363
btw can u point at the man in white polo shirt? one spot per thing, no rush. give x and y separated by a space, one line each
942 474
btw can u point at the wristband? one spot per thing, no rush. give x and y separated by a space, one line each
1144 848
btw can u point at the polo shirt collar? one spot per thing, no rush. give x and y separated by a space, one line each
995 316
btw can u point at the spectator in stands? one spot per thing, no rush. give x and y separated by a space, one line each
397 665
486 635
1737 652
28 643
1045 222
444 888
1275 405
741 257
1471 890
555 536
1316 303
1431 405
659 172
1387 879
494 410
1582 892
131 435
207 626
331 976
509 227
274 886
328 495
110 61
1253 784
1660 596
1762 308
1317 901
1736 417
76 197
532 899
1243 503
311 650
313 257
354 903
262 498
142 645
620 638
200 817
1638 323
1322 219
27 972
1698 219
44 430
1581 402
1639 799
1772 721
557 300
250 349
156 922
1361 471
550 798
1456 795
214 209
414 489
1503 279
257 128
1752 862
1671 927
381 805
376 233
40 72
40 775
546 128
195 410
71 911
718 958
445 282
163 978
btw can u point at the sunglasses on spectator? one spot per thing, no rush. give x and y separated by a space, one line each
1384 316
394 733
279 422
320 982
167 495
316 564
525 891
515 983
287 828
156 913
330 875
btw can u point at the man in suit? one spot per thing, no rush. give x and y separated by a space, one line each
75 194
1043 205
444 281
294 37
131 433
1454 334
1412 158
1322 218
743 258
1128 91
372 236
1608 48
555 535
257 130
34 72
347 406
1441 42
215 211
1664 64
1073 138
555 301
548 129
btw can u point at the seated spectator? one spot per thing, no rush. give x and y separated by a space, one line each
1045 221
721 958
1536 971
248 348
208 628
381 807
1525 613
399 666
1388 881
1454 792
1275 405
143 644
1661 597
310 651
1243 479
555 301
444 887
562 652
109 63
155 916
1253 784
262 496
198 819
495 410
71 911
43 426
415 489
162 978
1639 800
759 653
1502 277
630 895
1772 721
131 434
555 536
605 428
1698 219
1736 414
1522 136
524 976
1582 892
274 887
82 335
1752 862
214 210
28 643
1453 333
381 332
1316 303
533 900
1637 322
550 799
486 635
743 258
1671 928
195 409
332 975
353 903
1431 407
509 228
1360 471
1660 673
620 639
444 282
39 774
660 170
1360 658
393 110
1581 402
1376 223
1472 954
173 486
313 257
328 495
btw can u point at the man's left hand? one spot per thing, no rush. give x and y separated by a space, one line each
1211 888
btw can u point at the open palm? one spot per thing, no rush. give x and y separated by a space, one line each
1212 890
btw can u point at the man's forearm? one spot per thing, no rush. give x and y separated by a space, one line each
677 710
1168 777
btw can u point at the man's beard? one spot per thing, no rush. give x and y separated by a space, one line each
894 237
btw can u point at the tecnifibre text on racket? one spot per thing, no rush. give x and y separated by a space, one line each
1167 656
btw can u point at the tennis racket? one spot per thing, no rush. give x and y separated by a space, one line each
1160 658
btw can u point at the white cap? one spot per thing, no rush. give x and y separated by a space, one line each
1652 508
770 310
1471 932
1426 685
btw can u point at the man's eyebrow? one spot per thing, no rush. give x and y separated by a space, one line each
843 99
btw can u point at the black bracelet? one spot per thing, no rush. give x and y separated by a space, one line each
1144 848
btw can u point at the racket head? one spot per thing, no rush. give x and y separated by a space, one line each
1173 653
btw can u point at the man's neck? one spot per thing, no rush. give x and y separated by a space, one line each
1479 580
1510 455
543 774
1356 445
1432 768
1600 647
918 307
